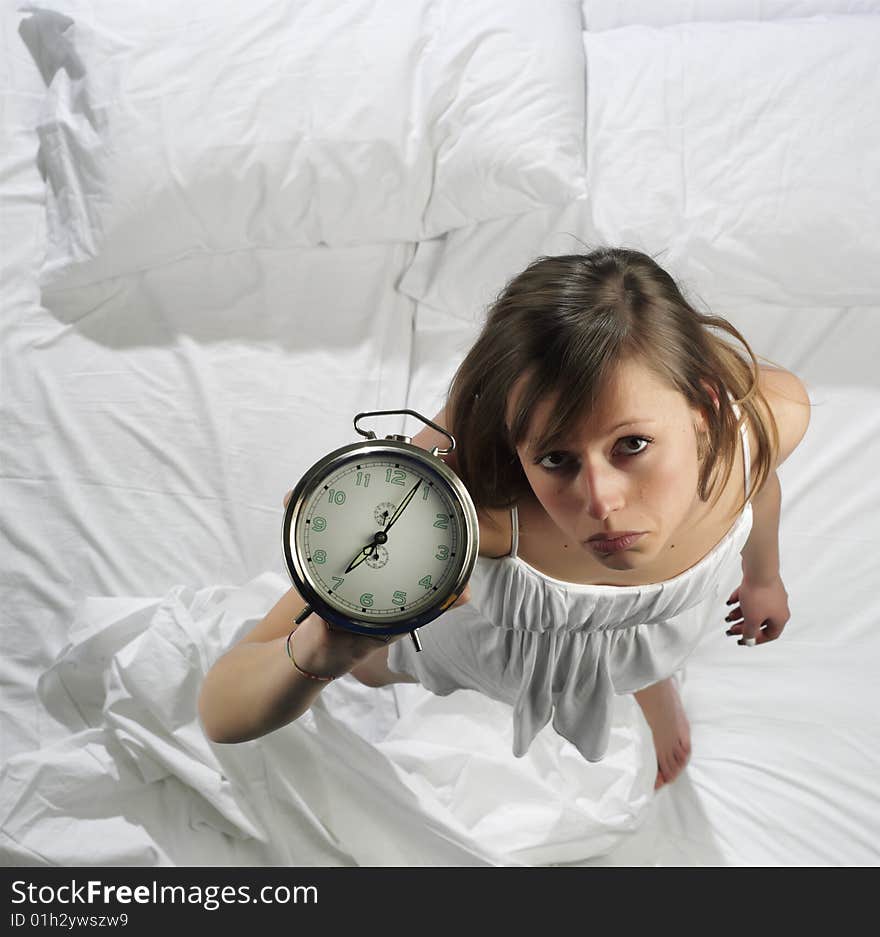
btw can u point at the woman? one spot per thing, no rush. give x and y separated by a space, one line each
595 402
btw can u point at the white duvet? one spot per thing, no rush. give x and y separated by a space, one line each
349 783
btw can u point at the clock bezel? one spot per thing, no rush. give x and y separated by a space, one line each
431 464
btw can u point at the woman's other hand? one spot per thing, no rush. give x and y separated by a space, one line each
762 611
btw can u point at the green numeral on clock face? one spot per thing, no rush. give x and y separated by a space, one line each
425 581
367 600
335 497
442 521
398 479
320 556
319 524
442 552
425 492
363 478
399 598
337 581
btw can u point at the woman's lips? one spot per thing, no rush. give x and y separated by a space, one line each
616 545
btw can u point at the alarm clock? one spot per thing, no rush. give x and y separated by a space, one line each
380 537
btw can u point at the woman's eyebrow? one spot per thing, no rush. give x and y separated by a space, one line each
629 423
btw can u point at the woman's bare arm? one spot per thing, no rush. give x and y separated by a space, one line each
254 688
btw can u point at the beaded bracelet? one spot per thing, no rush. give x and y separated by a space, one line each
305 673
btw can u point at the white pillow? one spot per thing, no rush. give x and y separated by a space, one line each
612 14
748 151
462 273
741 156
173 127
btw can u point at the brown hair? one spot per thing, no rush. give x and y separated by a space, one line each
569 321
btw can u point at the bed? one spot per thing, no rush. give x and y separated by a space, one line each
227 229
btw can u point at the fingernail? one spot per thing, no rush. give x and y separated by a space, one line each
729 603
729 632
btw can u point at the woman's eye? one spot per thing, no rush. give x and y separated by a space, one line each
630 439
547 464
557 460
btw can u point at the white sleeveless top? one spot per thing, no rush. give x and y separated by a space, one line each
560 650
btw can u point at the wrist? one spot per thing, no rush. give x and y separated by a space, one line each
316 651
320 678
763 577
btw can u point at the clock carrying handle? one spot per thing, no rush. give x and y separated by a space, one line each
304 614
369 434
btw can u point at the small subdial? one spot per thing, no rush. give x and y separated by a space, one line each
378 558
384 512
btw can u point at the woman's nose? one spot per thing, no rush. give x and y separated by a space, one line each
600 491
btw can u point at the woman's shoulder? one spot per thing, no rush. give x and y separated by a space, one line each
789 403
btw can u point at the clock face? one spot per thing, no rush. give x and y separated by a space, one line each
381 538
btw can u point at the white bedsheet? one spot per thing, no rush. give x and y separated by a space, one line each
349 783
149 427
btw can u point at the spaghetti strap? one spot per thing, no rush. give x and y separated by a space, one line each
514 531
744 430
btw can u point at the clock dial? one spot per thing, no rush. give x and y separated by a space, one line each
381 537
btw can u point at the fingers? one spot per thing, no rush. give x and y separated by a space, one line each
750 636
735 616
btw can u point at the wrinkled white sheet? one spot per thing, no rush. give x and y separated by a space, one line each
347 784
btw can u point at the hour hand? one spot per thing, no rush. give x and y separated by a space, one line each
367 550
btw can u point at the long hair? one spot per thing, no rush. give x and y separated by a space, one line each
568 322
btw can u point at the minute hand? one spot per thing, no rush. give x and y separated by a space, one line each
402 506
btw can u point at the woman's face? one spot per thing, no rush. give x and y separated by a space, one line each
606 478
